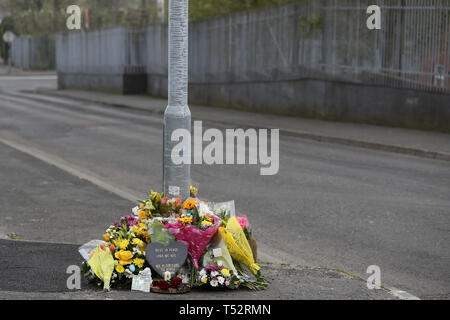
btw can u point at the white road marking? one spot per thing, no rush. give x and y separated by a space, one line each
401 294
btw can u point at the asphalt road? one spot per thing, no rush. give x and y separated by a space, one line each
332 206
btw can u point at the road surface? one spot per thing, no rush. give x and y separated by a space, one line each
330 205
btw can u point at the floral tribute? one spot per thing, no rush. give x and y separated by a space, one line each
221 248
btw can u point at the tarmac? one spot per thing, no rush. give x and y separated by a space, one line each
34 267
427 144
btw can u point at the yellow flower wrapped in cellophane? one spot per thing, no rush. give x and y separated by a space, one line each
238 245
102 264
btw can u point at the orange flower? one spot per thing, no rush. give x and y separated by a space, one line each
189 204
142 215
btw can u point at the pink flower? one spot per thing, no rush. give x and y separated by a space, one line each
243 222
227 283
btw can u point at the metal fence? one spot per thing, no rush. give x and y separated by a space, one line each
325 39
410 51
111 51
35 53
328 39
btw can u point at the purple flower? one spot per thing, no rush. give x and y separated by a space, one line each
211 268
129 221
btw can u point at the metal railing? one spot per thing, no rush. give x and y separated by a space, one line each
325 39
329 39
34 53
410 51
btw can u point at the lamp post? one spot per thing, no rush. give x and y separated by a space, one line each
177 177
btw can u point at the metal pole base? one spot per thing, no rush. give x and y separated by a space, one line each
177 177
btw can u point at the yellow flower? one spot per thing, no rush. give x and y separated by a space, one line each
142 215
124 257
106 237
206 223
186 220
123 244
139 262
142 225
153 195
189 204
194 191
120 268
138 242
225 272
135 229
205 280
149 205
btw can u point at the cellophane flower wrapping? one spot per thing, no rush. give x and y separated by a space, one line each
238 245
195 239
224 259
102 264
88 249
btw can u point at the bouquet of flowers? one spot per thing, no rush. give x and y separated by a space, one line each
125 243
194 229
121 256
219 277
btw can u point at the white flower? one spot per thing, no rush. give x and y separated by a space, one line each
204 209
221 280
214 283
136 210
202 272
214 274
185 281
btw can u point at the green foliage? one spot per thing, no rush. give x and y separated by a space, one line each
45 17
204 9
309 24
